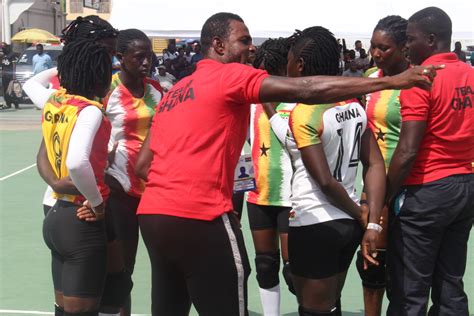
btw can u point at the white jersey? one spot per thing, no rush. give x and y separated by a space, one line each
339 128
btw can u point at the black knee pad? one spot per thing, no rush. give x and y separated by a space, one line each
58 310
303 311
268 268
95 313
117 288
374 276
287 277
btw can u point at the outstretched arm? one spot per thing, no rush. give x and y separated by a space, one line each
37 87
323 89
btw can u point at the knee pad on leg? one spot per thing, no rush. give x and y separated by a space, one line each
287 277
374 276
58 310
303 311
117 288
268 268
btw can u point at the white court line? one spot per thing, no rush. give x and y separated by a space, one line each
12 311
17 172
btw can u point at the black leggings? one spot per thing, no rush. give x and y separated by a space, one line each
78 249
199 262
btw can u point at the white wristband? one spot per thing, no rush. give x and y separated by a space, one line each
374 226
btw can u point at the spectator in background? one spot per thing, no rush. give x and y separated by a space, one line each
353 70
41 60
359 51
170 52
188 53
458 51
180 63
165 79
7 59
197 53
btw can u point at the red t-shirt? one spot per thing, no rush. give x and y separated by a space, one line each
448 144
197 135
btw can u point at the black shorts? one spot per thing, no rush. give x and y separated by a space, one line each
46 209
79 251
323 250
268 216
194 261
122 210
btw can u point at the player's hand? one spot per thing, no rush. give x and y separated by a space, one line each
89 214
369 247
419 76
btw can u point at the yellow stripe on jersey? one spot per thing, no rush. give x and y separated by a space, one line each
59 118
306 123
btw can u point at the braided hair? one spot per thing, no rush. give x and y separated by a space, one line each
395 26
126 37
273 54
319 50
84 67
90 27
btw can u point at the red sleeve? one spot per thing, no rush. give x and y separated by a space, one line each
414 104
241 83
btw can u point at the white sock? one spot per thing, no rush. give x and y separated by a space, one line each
270 299
105 314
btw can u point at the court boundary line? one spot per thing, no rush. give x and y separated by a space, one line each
15 311
17 172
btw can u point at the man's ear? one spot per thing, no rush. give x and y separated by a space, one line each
432 39
218 46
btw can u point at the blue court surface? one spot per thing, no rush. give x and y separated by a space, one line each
25 278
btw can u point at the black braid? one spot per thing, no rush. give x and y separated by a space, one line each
84 67
126 37
319 50
395 26
90 27
273 53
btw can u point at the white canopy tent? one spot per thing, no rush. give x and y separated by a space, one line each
265 18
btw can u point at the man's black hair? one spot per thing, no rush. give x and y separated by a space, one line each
319 50
395 26
39 45
273 53
126 37
433 20
217 25
83 67
90 27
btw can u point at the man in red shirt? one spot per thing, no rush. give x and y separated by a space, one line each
433 213
185 215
